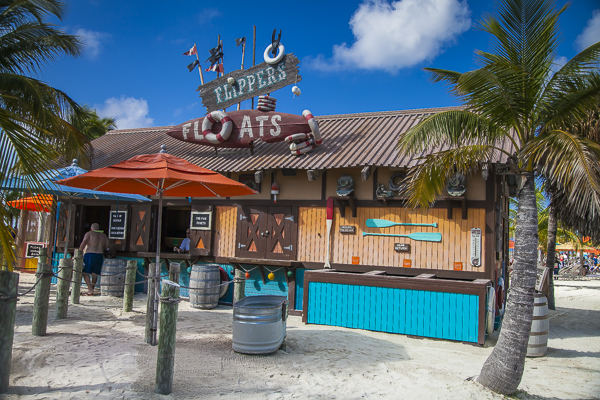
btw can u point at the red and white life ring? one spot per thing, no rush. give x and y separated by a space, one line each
490 309
314 126
209 120
301 145
296 136
277 58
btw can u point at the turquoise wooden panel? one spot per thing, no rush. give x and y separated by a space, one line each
299 288
414 312
139 287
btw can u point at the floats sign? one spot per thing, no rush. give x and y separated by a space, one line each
247 83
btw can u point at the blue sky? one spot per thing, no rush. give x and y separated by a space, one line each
355 56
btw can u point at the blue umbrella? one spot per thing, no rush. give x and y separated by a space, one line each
49 186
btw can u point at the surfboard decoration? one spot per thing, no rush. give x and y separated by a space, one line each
246 127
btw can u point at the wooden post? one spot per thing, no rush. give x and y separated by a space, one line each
174 271
62 287
239 285
129 285
166 340
253 57
9 282
150 305
42 295
77 270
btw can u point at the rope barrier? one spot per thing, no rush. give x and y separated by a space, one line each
170 300
16 297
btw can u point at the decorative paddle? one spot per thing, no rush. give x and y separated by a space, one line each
329 222
421 236
384 223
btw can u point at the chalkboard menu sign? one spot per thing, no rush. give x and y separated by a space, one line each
33 249
118 225
201 220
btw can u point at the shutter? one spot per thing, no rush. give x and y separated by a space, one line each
282 227
116 244
141 227
201 240
251 227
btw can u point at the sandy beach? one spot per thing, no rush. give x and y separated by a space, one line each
99 352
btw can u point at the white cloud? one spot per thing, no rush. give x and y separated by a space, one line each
591 32
130 112
92 40
400 34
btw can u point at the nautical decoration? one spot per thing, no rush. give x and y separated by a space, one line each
247 126
296 90
396 181
226 127
290 273
457 185
274 189
266 103
476 247
329 223
345 186
419 236
247 275
276 48
402 247
231 80
382 192
271 276
384 223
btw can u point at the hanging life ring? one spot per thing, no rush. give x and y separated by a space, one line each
314 126
209 120
277 58
224 277
392 184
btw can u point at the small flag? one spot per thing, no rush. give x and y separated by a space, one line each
215 54
191 51
239 41
193 65
215 68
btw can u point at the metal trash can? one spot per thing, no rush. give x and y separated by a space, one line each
259 324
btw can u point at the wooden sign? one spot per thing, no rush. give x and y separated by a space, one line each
248 126
260 79
476 247
402 247
32 249
117 227
200 221
458 266
356 260
350 229
406 263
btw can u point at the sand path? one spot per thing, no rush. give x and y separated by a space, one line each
98 352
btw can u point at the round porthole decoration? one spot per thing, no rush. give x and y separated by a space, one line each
396 181
457 185
345 186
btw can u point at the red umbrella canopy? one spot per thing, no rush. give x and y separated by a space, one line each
40 202
148 174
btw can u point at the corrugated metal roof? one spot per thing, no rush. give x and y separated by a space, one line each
349 140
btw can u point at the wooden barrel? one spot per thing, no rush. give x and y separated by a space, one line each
112 282
204 286
540 326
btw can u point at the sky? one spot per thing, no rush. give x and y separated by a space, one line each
355 56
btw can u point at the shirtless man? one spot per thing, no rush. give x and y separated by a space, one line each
94 243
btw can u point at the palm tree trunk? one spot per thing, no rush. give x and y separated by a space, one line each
551 253
581 260
503 370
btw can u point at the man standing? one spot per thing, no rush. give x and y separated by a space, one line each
94 242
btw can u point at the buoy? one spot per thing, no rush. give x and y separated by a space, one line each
275 191
296 90
231 80
247 275
271 276
290 273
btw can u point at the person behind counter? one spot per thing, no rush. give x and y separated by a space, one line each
184 247
94 242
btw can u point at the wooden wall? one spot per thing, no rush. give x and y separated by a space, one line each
379 250
225 225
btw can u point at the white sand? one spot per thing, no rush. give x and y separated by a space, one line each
99 352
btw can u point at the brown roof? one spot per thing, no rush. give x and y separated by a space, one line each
349 140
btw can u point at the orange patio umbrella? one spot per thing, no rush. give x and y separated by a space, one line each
163 175
40 202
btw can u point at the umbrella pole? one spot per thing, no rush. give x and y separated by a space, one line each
67 230
157 273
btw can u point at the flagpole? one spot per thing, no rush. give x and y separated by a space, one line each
253 58
199 66
243 54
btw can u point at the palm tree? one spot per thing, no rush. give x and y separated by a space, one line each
514 97
33 130
90 124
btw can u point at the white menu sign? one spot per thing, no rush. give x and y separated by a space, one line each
476 247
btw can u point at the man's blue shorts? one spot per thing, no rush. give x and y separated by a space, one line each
92 263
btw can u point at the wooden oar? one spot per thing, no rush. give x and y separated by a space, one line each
421 236
384 223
